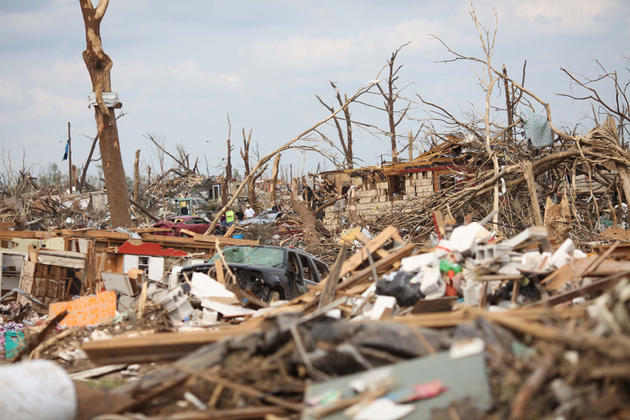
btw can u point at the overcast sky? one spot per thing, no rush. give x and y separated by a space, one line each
181 66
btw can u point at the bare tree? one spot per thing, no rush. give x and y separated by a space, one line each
136 177
390 98
183 161
99 66
251 180
345 141
620 106
225 186
291 144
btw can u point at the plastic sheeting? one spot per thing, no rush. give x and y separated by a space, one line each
110 98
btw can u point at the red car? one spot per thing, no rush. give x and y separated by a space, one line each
177 223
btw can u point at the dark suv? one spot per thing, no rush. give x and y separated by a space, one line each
270 272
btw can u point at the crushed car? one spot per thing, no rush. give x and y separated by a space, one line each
270 272
263 219
177 223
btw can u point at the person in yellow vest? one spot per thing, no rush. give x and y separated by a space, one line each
229 217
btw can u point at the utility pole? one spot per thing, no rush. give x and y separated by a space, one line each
70 178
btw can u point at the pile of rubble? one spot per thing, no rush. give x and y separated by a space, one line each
473 327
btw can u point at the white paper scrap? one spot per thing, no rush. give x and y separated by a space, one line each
384 409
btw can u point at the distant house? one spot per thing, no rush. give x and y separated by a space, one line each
385 186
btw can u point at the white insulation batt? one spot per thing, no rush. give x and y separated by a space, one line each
36 390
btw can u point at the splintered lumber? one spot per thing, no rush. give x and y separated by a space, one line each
62 258
34 343
223 241
592 266
311 298
230 232
267 412
93 373
92 402
155 392
245 389
152 348
383 263
528 173
607 283
333 278
533 383
362 254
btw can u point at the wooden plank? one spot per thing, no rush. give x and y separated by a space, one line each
500 277
361 255
328 294
528 173
359 236
582 291
161 346
230 231
63 254
223 241
592 267
218 264
386 262
48 260
93 373
434 305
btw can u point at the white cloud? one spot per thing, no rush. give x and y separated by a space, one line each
66 71
566 16
47 104
11 92
307 53
189 72
303 52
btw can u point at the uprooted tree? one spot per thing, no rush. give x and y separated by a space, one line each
99 66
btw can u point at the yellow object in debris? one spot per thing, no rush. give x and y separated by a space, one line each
347 236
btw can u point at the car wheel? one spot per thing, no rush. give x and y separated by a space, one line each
274 296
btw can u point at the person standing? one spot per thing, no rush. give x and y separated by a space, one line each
249 212
229 217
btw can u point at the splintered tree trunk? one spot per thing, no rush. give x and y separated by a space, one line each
224 192
309 221
251 189
136 176
251 194
274 180
99 66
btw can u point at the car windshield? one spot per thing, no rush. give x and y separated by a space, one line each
268 257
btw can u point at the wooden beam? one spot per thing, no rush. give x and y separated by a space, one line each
603 284
386 262
328 294
528 173
161 346
223 241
